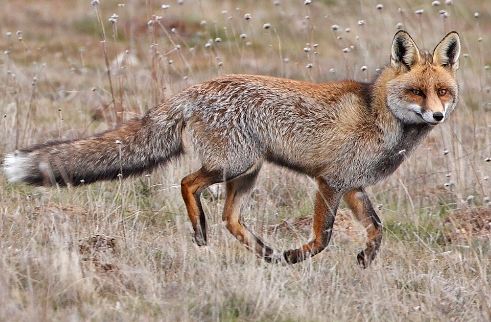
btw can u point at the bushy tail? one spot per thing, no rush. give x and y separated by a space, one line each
134 147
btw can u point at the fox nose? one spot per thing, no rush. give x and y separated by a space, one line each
438 116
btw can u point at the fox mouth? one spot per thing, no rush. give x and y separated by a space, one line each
432 122
432 118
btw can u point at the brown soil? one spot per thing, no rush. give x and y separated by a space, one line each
345 227
462 225
469 224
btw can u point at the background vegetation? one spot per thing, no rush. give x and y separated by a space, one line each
123 250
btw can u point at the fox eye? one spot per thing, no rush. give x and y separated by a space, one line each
442 92
417 92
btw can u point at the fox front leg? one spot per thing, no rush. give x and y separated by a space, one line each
357 200
326 205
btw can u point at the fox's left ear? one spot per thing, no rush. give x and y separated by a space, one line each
447 52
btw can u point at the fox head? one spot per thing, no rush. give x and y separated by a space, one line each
423 88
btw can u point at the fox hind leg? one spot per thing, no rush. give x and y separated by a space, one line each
191 188
236 189
357 200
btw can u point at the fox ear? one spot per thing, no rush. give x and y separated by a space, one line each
447 52
404 53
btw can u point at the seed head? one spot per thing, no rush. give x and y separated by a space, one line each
114 18
443 13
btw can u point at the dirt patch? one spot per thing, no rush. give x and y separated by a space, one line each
469 224
345 228
99 251
462 225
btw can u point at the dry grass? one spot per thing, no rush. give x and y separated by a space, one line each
123 251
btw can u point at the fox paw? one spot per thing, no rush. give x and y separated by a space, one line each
271 256
365 258
293 256
199 240
362 260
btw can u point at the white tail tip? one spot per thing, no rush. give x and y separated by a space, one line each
15 166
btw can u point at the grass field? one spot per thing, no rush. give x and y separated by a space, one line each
122 251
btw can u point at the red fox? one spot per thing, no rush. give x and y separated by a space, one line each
347 135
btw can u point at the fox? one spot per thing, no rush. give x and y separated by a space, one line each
346 135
